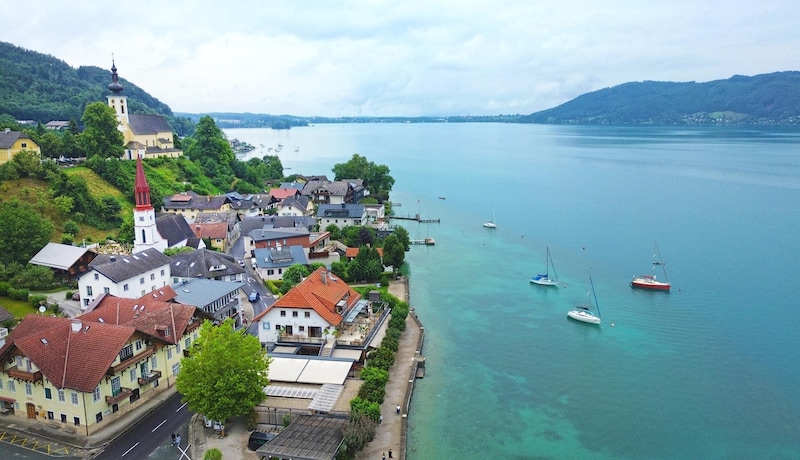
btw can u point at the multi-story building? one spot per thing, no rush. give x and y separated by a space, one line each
127 276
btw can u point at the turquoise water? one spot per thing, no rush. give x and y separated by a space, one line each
709 370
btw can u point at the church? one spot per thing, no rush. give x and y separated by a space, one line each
146 136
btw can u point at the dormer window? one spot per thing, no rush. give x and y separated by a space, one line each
126 353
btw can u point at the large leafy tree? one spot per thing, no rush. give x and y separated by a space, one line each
393 253
376 177
100 136
225 373
22 232
212 151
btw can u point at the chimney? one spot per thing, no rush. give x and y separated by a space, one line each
324 277
8 130
76 325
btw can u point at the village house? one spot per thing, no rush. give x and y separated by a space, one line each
270 263
13 142
189 204
204 263
81 374
341 215
220 299
65 260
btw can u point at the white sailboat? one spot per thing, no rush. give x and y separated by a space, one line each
584 314
490 223
649 281
543 279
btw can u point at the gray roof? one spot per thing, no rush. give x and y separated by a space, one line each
344 210
122 267
204 263
5 315
338 188
308 437
265 234
148 124
283 257
201 292
58 256
173 228
195 201
299 202
7 139
295 185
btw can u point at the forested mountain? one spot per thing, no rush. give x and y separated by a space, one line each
40 87
761 99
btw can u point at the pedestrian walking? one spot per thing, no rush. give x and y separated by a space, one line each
380 419
178 440
398 413
383 457
173 439
390 453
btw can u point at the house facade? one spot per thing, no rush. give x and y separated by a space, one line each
204 263
341 215
83 373
189 204
67 261
309 312
219 299
12 142
270 263
124 276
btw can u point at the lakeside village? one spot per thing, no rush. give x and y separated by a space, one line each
120 339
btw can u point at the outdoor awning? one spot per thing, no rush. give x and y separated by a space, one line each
379 335
308 370
355 355
8 400
357 308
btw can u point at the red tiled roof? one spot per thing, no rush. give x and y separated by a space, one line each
320 291
214 230
281 193
352 252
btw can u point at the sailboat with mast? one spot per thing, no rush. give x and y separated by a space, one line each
584 313
649 281
543 279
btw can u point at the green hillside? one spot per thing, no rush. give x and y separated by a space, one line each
40 87
762 99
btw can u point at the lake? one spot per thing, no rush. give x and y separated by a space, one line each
708 370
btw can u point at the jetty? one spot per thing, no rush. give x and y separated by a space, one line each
426 242
417 218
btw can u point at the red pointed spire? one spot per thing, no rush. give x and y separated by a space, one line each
141 190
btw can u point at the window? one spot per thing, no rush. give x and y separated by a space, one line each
50 415
169 353
141 280
125 287
178 347
307 314
162 272
187 343
18 359
283 313
126 352
153 362
96 277
74 398
1 384
98 417
138 344
270 272
63 418
302 328
116 386
76 421
107 290
152 276
133 374
11 386
176 368
88 291
294 314
48 393
24 145
28 389
60 395
96 394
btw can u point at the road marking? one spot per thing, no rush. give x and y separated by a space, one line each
158 426
129 450
183 452
182 406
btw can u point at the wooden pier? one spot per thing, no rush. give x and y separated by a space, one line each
426 242
416 218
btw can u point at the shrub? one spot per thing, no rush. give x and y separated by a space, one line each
69 294
18 294
4 287
212 454
251 422
36 300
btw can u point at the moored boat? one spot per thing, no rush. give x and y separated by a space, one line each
649 281
584 314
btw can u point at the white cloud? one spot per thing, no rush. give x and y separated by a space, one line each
341 58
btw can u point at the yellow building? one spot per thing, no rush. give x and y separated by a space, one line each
146 136
12 142
83 373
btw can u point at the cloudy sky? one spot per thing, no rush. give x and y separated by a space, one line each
409 57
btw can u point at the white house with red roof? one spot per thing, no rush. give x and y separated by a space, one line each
309 312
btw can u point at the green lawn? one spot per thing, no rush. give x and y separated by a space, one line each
18 308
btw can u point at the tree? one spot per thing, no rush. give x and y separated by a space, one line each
22 232
225 373
100 136
393 253
293 275
28 162
402 236
376 177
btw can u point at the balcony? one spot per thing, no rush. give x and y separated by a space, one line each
15 373
124 393
154 375
300 339
135 359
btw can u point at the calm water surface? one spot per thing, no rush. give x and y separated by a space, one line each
709 370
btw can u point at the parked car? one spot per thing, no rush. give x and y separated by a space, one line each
76 296
241 263
258 439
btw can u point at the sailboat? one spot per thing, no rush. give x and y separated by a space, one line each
544 279
584 314
649 281
490 223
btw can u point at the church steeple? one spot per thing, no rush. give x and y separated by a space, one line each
115 85
141 189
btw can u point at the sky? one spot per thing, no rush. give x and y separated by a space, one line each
338 58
